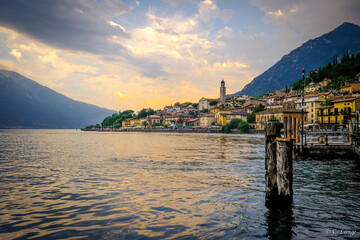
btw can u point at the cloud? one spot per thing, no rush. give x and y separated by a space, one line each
156 54
115 25
16 54
208 9
309 18
80 25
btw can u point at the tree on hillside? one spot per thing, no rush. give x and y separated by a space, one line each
145 112
337 71
114 121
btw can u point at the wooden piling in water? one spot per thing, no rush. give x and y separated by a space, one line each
272 132
284 171
278 166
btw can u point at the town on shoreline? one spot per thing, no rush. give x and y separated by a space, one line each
326 100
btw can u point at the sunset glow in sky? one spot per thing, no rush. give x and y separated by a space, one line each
133 54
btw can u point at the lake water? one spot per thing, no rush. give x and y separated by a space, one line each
67 184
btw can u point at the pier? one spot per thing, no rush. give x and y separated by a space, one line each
325 144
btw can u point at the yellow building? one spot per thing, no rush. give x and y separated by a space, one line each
135 122
214 110
127 122
350 87
168 120
339 114
312 103
220 116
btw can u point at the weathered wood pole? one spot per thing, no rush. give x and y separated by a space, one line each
284 171
272 132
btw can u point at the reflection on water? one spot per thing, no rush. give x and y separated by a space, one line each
72 184
280 223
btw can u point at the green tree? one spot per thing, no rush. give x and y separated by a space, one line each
250 118
243 127
234 123
213 103
226 129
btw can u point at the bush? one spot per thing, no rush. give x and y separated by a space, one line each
243 126
226 128
234 123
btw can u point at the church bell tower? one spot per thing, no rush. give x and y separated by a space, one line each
223 92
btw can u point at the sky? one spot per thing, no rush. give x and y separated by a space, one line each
134 54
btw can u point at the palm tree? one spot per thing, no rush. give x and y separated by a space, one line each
149 121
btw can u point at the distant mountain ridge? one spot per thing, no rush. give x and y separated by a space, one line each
27 104
313 54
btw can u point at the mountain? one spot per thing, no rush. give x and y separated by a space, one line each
27 104
313 54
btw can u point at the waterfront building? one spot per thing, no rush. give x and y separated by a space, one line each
155 119
135 122
191 122
206 120
312 103
222 92
262 117
170 120
339 114
127 122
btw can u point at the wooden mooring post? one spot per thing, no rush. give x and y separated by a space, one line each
278 166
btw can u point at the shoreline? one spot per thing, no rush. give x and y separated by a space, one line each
252 131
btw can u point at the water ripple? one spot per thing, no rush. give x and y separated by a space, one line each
66 184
